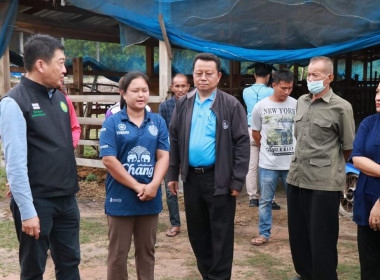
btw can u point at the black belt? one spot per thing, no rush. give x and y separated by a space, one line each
202 169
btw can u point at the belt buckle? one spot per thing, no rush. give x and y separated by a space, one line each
199 170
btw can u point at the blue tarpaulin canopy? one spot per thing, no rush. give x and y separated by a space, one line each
278 31
8 12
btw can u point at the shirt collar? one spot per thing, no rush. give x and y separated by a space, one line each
326 97
34 85
211 97
124 115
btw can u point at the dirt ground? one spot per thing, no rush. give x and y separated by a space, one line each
174 257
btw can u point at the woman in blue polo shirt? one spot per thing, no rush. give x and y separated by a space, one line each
366 157
134 148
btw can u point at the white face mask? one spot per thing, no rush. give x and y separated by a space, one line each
316 87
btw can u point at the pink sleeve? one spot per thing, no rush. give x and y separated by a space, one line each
75 127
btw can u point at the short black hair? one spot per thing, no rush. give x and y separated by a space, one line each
181 75
262 69
40 46
208 57
126 80
283 75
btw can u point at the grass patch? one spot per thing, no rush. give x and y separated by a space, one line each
92 229
8 239
91 177
275 269
89 152
3 181
162 227
349 271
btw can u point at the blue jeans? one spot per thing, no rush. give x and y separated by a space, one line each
172 202
268 182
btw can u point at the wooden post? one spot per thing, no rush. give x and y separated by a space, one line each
149 53
78 90
5 86
165 71
348 69
365 68
234 77
5 81
335 68
295 73
165 35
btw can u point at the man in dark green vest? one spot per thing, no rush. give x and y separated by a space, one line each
41 168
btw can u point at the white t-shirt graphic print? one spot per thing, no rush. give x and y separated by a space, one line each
275 121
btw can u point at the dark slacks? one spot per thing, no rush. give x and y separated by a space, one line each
313 222
210 223
369 253
59 225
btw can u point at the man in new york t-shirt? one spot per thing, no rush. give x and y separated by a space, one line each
272 126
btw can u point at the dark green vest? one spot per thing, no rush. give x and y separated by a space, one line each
51 163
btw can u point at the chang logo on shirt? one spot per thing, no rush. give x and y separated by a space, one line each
63 106
122 129
139 162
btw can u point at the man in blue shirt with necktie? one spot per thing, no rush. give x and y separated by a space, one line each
209 142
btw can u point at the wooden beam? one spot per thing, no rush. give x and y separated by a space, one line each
165 35
165 71
43 5
90 121
5 82
95 98
34 24
90 162
106 98
88 142
70 72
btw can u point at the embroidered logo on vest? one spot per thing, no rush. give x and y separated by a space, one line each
63 106
37 112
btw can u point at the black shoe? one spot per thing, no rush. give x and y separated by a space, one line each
254 202
275 206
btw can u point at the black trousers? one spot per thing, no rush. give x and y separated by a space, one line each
313 223
59 225
369 253
210 223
